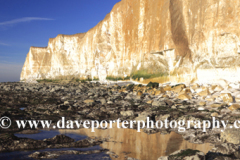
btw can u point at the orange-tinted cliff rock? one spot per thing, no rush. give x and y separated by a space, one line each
170 36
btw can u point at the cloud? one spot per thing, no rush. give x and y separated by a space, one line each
4 44
24 19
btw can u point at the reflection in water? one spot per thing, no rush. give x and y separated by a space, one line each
23 155
43 134
141 145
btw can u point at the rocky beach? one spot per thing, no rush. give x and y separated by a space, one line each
125 101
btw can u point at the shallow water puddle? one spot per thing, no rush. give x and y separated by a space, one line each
23 155
122 142
139 144
43 134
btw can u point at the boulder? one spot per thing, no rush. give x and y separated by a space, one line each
234 107
184 96
218 88
203 92
159 91
227 97
185 91
162 117
157 103
231 136
210 99
59 139
139 93
202 103
216 105
195 86
167 88
127 113
215 114
187 154
143 116
102 100
178 88
149 101
88 101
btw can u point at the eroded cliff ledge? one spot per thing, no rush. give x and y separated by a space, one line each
187 37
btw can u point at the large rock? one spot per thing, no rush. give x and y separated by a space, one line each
56 154
204 92
231 136
163 117
218 88
234 107
195 86
186 90
102 100
143 116
59 139
227 97
178 88
224 149
88 101
186 37
184 97
214 114
157 103
187 154
127 113
216 105
202 103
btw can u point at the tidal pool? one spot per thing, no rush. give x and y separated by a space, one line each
139 144
23 155
122 142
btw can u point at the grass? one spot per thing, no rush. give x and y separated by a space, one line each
114 78
59 80
153 84
145 74
48 80
136 75
111 78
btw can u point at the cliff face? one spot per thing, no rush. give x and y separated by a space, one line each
157 36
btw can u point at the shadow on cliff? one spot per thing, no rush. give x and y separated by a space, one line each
178 29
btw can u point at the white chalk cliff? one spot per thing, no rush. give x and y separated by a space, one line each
196 38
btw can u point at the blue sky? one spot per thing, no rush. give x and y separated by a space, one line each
25 23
